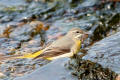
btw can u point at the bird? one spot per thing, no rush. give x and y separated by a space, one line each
65 46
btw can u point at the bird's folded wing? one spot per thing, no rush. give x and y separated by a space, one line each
53 52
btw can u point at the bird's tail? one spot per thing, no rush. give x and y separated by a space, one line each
28 56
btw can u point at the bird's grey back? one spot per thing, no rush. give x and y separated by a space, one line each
64 42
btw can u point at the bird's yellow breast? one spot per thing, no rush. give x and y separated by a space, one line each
77 46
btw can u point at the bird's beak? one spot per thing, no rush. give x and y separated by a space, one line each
87 34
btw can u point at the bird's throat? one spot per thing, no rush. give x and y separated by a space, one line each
78 46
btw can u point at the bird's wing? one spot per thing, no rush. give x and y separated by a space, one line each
54 51
46 45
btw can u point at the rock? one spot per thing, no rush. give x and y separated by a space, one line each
106 52
8 46
67 23
52 71
89 3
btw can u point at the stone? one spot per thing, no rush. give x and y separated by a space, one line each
106 52
53 71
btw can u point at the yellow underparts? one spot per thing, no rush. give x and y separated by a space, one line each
31 55
78 46
49 59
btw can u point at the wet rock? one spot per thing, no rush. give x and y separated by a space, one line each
68 23
21 33
8 46
89 3
106 52
55 71
88 70
20 67
27 31
5 32
31 46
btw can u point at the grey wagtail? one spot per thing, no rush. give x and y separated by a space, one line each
65 46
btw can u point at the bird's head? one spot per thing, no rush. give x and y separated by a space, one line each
78 34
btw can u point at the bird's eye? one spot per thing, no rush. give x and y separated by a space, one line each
77 32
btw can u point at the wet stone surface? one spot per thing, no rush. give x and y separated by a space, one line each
55 70
14 68
106 52
8 46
